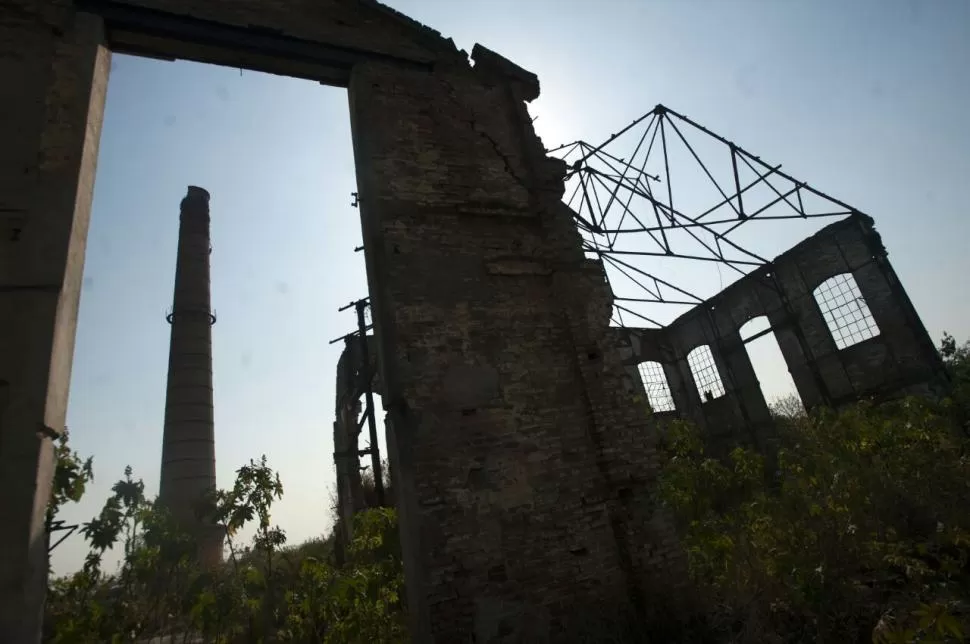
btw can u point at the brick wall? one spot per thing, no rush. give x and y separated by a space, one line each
900 359
523 469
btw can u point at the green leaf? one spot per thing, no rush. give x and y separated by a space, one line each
948 624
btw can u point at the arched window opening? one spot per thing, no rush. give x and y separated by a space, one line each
845 311
704 371
770 368
655 384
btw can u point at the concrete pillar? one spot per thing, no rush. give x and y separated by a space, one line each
682 388
188 446
745 385
795 350
50 123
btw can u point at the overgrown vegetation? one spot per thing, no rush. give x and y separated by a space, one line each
265 592
861 535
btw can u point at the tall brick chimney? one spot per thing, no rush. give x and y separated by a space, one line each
188 444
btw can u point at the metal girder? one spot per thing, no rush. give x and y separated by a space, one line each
634 215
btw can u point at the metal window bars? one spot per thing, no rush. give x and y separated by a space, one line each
705 373
655 383
845 311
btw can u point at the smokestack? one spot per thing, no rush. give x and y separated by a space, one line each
188 444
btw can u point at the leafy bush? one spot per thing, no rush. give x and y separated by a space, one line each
861 535
265 592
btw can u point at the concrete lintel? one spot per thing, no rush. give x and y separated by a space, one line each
160 34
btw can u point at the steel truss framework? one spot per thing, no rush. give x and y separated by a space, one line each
666 188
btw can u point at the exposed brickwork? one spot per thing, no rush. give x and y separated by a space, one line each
524 470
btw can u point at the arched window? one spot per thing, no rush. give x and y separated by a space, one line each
845 310
704 370
655 384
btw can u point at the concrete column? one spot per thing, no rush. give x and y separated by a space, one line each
745 385
793 344
188 446
681 385
50 123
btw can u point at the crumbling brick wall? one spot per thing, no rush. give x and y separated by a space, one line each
524 472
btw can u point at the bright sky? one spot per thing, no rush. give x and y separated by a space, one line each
865 100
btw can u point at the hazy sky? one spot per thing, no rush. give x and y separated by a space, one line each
865 100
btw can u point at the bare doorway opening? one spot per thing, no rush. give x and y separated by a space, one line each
777 385
275 153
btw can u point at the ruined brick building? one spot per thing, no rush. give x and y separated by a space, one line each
523 469
885 352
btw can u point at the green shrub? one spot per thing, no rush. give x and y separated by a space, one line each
863 533
265 592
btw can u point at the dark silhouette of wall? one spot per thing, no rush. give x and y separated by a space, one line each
901 358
